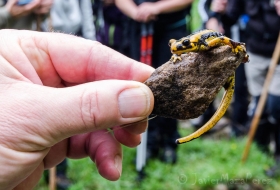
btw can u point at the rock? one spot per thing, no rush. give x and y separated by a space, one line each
184 89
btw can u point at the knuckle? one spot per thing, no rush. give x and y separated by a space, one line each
89 108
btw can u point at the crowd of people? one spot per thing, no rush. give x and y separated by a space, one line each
42 126
259 26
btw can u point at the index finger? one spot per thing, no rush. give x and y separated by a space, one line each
73 59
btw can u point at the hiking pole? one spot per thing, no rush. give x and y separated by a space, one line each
52 178
146 43
262 100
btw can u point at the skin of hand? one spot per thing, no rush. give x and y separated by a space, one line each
277 6
219 6
58 96
44 7
146 12
19 11
128 7
214 24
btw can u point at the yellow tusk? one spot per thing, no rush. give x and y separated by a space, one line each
226 100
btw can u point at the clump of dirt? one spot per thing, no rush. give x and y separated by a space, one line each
184 89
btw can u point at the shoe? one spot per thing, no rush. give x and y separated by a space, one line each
274 171
169 155
151 154
239 130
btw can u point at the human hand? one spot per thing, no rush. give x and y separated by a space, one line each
214 24
146 12
58 96
19 11
44 7
219 6
277 6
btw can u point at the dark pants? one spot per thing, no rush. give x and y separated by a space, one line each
269 124
239 117
61 168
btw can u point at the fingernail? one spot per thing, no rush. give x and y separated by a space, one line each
134 102
118 164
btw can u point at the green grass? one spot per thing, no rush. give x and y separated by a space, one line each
202 164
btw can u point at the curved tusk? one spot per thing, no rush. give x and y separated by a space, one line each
226 100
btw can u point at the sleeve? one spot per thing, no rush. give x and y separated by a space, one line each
204 9
235 9
88 28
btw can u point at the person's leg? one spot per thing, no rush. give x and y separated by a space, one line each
135 37
169 133
273 107
162 134
264 130
273 104
154 137
62 180
256 71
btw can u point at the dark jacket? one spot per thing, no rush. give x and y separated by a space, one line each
206 13
263 26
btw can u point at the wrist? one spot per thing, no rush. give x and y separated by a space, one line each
8 7
213 14
158 7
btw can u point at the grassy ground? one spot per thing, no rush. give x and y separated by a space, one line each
202 164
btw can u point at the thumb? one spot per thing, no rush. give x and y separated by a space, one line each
48 115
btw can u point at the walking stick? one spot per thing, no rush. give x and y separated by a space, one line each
146 43
52 178
262 101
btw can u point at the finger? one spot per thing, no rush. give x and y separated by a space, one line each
56 155
32 180
42 10
107 156
137 127
78 145
44 7
59 57
53 114
30 6
7 71
11 2
126 138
